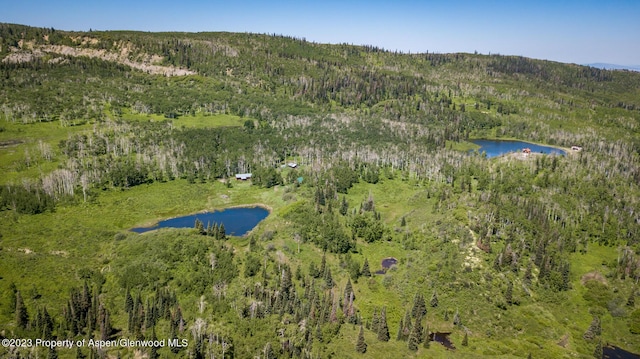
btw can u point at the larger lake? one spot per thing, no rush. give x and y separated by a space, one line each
495 148
237 221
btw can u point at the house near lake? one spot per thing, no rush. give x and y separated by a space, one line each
576 148
243 176
292 165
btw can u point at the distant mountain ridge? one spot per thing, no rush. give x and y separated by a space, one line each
606 66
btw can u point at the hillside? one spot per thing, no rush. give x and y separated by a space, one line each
513 256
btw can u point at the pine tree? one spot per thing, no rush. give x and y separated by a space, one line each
344 207
419 309
361 345
631 301
400 335
508 295
365 269
348 289
594 329
153 350
426 339
199 226
374 321
47 325
383 328
285 283
465 340
328 279
128 302
22 317
434 300
456 319
407 325
415 337
598 351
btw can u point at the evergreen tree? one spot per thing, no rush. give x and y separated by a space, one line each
314 271
426 339
199 226
419 309
153 350
348 289
365 269
344 207
328 279
465 340
631 301
13 292
594 329
323 264
47 325
434 300
508 295
415 337
456 319
285 283
361 345
383 328
407 325
375 321
598 351
400 335
22 317
403 222
128 302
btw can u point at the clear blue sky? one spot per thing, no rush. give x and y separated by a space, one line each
578 31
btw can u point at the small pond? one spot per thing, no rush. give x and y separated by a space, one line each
386 264
442 338
237 221
495 148
613 352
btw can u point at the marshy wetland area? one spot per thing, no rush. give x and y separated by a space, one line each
305 200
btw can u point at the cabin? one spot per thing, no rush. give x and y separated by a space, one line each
292 165
526 151
576 148
243 176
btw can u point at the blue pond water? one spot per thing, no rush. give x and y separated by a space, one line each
613 352
237 221
495 148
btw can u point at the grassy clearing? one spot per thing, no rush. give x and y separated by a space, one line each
20 148
199 120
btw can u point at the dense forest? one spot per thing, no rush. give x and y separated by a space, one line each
513 257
